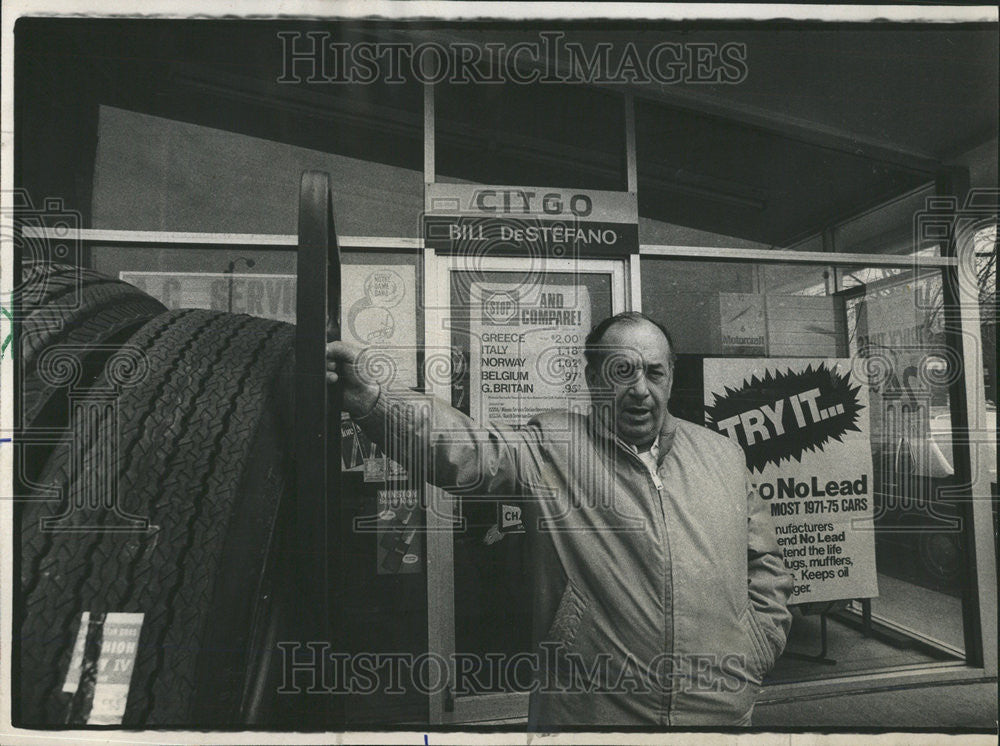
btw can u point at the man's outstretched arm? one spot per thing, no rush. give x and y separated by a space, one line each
436 442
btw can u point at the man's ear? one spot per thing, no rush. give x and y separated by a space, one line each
593 378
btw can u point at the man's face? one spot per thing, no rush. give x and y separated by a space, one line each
635 370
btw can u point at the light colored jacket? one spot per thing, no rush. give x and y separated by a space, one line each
670 608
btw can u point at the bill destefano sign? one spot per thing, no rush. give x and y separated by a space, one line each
537 221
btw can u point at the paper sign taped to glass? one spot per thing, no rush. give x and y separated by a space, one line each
742 324
803 425
400 542
379 311
526 349
359 453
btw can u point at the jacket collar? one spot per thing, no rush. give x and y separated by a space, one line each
599 426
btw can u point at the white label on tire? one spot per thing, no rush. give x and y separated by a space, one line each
119 643
76 661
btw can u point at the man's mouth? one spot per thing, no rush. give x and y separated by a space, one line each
636 412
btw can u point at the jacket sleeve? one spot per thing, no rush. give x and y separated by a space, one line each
440 445
770 583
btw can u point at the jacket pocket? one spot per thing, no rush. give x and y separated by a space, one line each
569 614
759 645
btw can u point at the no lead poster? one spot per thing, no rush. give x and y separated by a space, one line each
526 353
804 427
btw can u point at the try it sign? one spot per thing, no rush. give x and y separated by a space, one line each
803 425
780 414
538 221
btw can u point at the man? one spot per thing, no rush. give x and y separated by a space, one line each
660 594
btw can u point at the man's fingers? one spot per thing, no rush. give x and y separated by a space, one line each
333 351
340 348
337 351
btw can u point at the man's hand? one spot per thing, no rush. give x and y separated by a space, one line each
344 366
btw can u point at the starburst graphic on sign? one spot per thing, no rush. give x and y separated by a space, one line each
782 415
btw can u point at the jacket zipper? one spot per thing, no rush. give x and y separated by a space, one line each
657 494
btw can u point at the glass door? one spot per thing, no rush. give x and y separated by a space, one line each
514 333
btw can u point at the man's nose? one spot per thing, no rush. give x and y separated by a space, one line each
639 388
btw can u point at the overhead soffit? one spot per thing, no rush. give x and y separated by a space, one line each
929 91
770 159
827 123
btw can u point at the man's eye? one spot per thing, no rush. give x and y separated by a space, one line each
622 372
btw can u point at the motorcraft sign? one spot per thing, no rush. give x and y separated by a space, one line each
537 221
803 425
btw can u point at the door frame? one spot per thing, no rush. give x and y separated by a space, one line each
444 708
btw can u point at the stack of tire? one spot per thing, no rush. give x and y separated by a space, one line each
151 474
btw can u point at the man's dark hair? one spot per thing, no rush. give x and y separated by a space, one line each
592 346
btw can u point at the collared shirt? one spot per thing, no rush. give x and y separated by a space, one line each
650 459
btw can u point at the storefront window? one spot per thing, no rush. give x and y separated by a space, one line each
986 278
153 173
889 228
262 282
886 327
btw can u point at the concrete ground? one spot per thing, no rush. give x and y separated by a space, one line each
933 707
